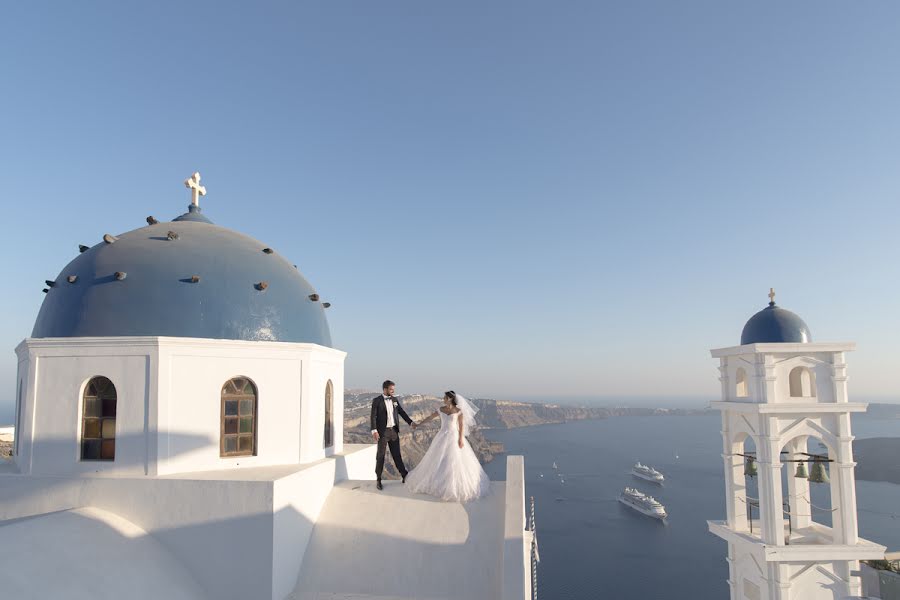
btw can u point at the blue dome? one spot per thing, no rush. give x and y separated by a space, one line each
207 282
774 324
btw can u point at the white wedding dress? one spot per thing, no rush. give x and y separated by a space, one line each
447 471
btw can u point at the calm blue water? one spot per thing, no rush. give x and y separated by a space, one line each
591 545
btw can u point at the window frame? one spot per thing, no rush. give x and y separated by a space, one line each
238 417
102 415
328 432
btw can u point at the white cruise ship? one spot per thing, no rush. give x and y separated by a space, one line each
647 472
643 503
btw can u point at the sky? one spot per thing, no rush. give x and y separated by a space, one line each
511 199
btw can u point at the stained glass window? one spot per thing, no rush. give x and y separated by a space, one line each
238 436
98 420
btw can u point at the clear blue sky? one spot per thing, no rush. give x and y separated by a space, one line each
510 198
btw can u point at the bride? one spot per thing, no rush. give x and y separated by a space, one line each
450 470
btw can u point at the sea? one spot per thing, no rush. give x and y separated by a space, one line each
591 546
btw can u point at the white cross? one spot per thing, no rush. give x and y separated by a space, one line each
197 190
772 295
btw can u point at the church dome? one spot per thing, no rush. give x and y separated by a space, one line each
774 324
183 278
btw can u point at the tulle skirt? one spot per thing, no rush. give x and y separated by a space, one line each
449 472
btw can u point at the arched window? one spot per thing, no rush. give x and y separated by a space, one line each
328 441
803 383
98 420
238 437
741 388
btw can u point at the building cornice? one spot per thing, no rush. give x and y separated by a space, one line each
806 408
808 348
168 342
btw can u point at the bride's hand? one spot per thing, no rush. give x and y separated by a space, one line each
460 443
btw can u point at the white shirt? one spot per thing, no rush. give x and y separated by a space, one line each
389 406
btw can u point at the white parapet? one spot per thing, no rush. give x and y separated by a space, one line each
260 518
516 546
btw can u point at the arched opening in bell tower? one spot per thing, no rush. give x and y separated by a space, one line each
741 388
806 488
746 504
802 383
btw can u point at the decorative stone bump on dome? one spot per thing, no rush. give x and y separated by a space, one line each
775 325
246 294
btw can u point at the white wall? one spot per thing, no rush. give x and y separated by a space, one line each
290 381
321 369
168 407
258 520
190 406
52 406
768 368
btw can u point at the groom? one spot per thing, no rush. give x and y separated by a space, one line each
386 413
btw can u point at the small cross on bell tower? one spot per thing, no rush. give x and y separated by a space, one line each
771 296
197 190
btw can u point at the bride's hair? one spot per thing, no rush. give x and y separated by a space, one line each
452 395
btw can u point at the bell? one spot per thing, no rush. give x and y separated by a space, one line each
818 474
750 468
801 471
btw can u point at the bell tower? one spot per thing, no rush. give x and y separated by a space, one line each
786 423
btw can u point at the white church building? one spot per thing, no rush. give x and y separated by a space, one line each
780 392
179 434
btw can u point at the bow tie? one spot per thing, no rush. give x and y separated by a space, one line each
388 397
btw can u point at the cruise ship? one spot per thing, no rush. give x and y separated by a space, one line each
648 473
643 503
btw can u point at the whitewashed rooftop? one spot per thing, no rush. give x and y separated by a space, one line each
393 544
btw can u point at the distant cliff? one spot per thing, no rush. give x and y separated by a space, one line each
878 459
503 414
493 414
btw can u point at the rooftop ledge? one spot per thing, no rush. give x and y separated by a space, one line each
809 544
782 348
256 473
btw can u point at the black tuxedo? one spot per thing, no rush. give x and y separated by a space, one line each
380 417
388 438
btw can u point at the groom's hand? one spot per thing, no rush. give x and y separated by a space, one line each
375 434
414 425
